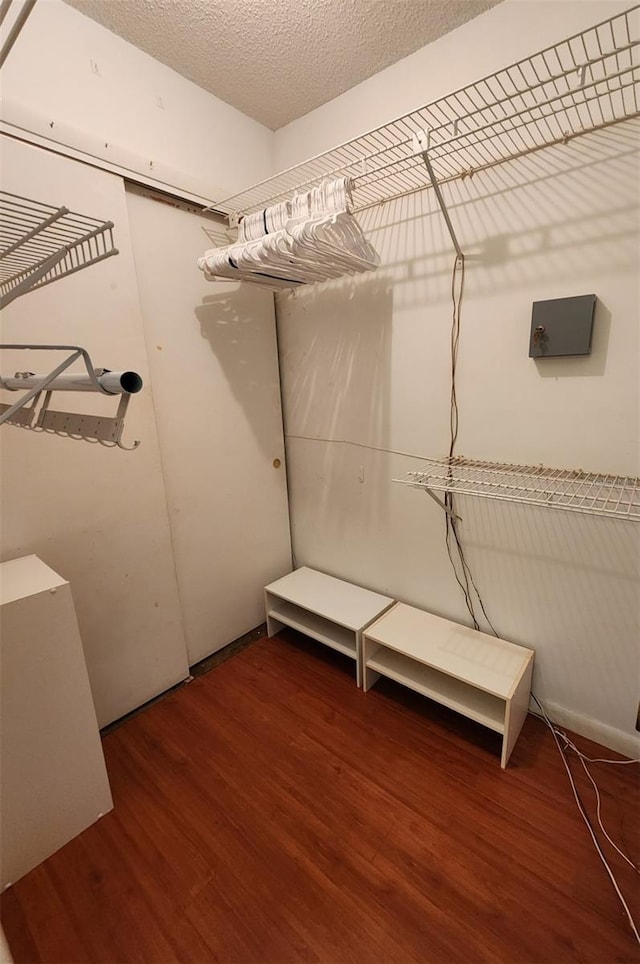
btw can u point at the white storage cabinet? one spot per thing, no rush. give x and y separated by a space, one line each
482 677
329 610
54 781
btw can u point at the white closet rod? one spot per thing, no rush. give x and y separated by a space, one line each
107 382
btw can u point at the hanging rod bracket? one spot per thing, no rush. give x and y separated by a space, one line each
23 416
88 427
107 431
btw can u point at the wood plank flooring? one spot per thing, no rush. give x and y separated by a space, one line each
271 812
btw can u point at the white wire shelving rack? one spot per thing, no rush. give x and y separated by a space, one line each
91 428
582 84
40 243
592 493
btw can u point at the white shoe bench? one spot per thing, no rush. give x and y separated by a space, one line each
328 609
482 677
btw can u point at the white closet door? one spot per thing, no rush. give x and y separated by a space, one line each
213 360
96 515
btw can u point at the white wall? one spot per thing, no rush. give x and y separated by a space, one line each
366 361
75 83
96 515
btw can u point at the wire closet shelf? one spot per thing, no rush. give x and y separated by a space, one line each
593 493
584 83
40 243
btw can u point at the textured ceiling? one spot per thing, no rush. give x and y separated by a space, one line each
278 59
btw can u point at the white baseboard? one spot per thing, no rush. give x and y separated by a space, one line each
626 743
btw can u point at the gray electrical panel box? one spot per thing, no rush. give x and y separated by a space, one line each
562 326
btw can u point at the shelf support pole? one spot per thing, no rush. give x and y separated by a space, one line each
422 138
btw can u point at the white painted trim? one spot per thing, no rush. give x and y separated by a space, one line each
26 125
626 743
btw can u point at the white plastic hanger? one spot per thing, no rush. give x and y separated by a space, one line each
310 239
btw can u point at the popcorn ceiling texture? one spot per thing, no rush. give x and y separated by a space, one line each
278 59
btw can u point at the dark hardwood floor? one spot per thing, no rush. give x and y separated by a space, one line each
272 812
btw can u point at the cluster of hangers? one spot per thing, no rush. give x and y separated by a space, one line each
311 238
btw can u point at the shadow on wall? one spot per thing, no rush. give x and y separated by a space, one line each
577 200
340 383
560 581
237 325
346 326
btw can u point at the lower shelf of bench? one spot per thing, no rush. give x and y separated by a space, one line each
324 630
476 704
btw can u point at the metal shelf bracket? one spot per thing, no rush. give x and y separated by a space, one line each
422 148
